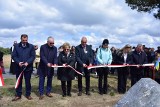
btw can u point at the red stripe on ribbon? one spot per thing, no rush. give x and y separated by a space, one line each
19 79
57 66
1 78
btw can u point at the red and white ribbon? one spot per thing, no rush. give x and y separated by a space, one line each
58 66
19 79
1 78
117 66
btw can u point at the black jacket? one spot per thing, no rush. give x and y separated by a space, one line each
82 57
120 58
66 73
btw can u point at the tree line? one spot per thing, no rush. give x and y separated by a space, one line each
5 50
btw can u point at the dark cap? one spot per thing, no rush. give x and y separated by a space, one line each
105 41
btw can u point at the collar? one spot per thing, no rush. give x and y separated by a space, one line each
20 45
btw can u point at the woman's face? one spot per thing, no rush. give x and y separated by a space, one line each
127 50
66 49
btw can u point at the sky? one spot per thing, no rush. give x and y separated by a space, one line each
70 20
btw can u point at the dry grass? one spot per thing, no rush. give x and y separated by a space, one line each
7 60
95 100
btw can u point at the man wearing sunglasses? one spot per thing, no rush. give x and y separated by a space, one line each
48 57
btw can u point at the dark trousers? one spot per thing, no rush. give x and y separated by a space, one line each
42 80
87 77
64 87
122 79
12 67
103 73
27 77
136 75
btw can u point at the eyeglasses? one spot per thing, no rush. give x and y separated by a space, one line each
84 42
66 49
51 43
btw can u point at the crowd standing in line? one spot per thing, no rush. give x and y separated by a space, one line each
79 57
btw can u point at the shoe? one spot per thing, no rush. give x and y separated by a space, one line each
16 98
101 93
29 97
79 93
41 97
49 94
104 92
69 94
88 93
63 95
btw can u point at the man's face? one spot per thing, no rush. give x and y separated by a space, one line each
50 42
24 40
139 48
84 42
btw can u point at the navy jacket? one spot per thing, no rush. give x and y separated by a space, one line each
47 55
66 73
139 58
82 57
23 54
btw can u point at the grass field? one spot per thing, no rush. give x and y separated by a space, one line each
95 100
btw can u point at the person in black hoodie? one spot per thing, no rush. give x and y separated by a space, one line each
123 58
139 58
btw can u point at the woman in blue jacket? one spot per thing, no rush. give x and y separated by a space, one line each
104 57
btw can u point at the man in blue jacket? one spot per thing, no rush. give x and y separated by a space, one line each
48 57
23 55
84 58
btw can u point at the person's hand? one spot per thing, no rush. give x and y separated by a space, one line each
25 64
84 65
90 64
55 65
138 66
49 64
21 64
64 65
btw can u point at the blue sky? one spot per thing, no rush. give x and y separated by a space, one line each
69 20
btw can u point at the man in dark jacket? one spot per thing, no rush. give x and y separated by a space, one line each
84 58
48 57
139 58
23 55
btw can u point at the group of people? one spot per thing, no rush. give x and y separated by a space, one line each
83 56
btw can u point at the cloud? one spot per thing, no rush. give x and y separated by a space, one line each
69 20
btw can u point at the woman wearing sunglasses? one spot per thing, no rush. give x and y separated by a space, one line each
66 74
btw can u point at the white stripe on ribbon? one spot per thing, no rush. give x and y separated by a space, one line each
1 82
1 78
18 80
116 66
